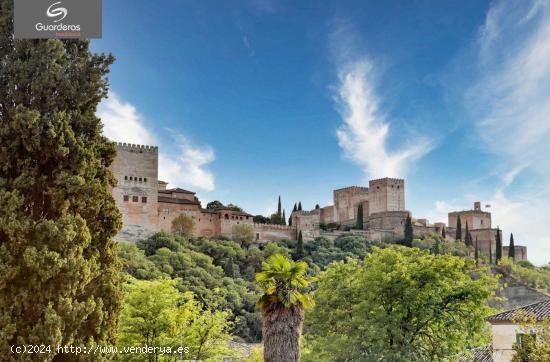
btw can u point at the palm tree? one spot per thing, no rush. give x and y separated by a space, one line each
282 305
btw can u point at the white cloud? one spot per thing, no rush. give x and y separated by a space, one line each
185 168
122 123
364 133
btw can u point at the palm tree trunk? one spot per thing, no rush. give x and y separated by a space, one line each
282 328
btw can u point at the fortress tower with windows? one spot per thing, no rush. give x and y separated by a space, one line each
148 206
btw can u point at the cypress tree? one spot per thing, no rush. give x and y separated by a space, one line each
490 252
498 252
283 219
59 278
408 232
477 254
279 214
443 233
359 222
295 208
512 248
458 229
300 247
300 206
229 268
290 220
468 236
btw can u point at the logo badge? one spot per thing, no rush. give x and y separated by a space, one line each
52 13
62 19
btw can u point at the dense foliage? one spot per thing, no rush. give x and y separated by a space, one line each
400 304
156 314
59 275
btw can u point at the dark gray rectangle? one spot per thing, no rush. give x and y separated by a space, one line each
44 19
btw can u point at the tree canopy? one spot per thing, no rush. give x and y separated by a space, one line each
400 304
59 273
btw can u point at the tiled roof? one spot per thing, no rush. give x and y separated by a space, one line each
174 200
209 211
179 190
539 310
479 354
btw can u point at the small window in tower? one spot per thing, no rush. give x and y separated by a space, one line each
397 186
126 177
135 198
131 178
126 198
226 216
140 179
144 199
145 179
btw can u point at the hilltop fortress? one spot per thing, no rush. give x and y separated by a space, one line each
148 206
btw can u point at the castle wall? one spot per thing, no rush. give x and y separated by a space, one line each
136 169
388 222
327 215
269 232
346 202
229 218
521 252
307 222
476 219
386 194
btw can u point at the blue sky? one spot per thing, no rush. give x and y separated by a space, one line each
251 99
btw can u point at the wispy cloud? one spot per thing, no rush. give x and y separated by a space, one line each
511 95
185 168
509 99
248 46
364 133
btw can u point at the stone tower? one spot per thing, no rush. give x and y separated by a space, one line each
386 194
136 195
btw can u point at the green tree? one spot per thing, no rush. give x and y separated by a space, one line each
476 254
400 304
156 314
183 225
279 208
468 237
295 208
59 271
299 206
443 232
290 220
243 234
215 205
300 247
282 304
498 245
359 221
407 241
458 235
512 248
283 218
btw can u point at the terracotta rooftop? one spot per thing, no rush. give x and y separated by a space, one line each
177 190
539 310
174 200
479 354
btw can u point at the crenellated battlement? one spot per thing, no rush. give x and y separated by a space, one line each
353 188
272 227
130 147
387 180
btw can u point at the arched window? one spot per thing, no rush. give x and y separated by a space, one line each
226 216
